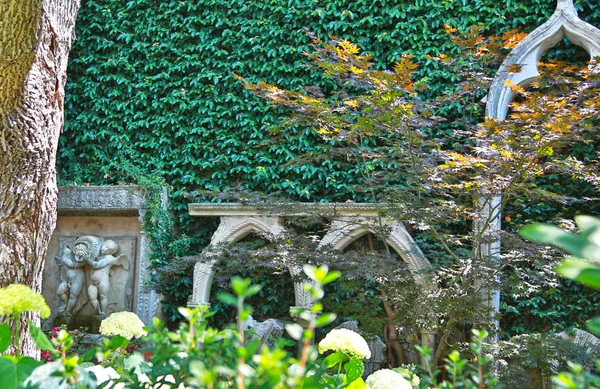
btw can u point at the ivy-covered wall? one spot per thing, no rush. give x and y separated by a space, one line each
151 82
151 88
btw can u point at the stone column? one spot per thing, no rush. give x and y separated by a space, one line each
147 301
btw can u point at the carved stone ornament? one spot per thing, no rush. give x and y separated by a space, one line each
564 23
88 264
113 201
99 198
268 331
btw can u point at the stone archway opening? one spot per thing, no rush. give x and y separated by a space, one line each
366 300
275 297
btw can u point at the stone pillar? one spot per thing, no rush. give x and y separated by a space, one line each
428 340
148 301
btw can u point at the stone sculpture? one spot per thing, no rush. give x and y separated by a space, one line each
70 288
269 331
100 274
90 260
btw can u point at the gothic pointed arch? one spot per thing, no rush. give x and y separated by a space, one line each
344 231
564 23
230 230
233 229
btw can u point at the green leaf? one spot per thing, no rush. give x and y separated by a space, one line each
185 312
354 369
578 245
8 373
5 337
309 270
331 276
358 383
134 363
239 285
252 290
321 273
579 270
118 341
594 325
13 372
24 368
228 299
40 338
334 359
89 354
325 319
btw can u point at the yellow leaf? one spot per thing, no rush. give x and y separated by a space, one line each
356 70
449 29
349 47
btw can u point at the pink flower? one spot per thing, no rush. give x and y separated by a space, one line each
46 356
55 330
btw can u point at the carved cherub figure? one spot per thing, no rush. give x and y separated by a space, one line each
70 288
100 274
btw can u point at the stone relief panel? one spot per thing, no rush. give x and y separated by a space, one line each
94 276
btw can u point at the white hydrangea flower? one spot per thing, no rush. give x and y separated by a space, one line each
408 373
126 324
387 379
346 341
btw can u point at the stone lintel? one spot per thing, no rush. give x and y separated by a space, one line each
287 209
111 200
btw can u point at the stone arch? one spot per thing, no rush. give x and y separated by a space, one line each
230 230
565 22
344 231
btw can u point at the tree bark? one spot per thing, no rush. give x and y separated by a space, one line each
35 40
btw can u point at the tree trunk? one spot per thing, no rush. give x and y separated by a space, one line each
35 40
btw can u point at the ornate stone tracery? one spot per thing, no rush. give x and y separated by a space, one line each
353 220
344 230
564 23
